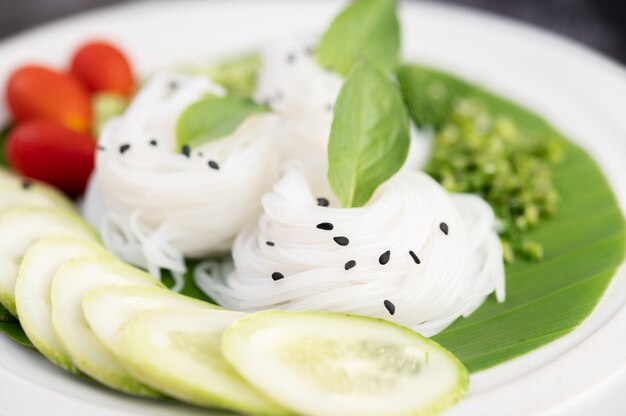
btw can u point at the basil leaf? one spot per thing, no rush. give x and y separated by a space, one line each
213 118
365 29
369 138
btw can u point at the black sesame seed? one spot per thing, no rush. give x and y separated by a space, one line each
100 147
186 150
342 241
26 184
384 258
350 264
322 202
444 227
270 243
391 308
153 142
213 165
277 276
325 226
124 148
414 257
291 58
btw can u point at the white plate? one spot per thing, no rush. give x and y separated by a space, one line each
581 92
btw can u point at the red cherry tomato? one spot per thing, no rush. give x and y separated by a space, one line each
38 92
103 68
50 152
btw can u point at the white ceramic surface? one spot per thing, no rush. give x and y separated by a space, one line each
582 93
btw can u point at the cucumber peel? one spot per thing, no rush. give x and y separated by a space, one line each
178 352
321 363
75 278
32 291
22 227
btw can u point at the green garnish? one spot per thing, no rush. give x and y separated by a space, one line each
488 153
369 139
213 118
365 29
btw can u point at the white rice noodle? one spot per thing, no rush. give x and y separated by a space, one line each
303 94
457 270
155 206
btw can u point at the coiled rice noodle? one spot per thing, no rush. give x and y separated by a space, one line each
155 206
415 254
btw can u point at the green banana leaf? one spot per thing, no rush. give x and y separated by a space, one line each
584 242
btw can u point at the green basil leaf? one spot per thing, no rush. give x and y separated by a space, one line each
369 138
213 118
365 29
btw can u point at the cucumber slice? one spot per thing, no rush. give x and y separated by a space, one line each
75 278
107 308
178 352
24 193
32 291
17 192
320 363
20 228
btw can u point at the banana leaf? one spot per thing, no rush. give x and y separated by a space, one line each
584 242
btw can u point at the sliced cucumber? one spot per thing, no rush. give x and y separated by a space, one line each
32 291
320 363
16 193
178 352
109 307
75 278
20 228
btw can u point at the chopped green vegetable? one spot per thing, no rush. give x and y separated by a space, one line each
487 153
106 106
213 118
365 29
369 139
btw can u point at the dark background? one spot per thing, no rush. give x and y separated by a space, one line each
600 24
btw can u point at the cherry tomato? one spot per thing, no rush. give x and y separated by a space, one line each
52 153
103 68
38 92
